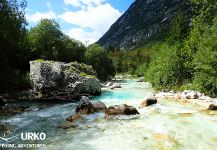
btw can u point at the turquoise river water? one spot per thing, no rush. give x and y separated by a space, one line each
167 125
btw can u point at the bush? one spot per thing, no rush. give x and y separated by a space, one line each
141 69
205 61
100 60
164 69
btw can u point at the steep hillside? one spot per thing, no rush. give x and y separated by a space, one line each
145 20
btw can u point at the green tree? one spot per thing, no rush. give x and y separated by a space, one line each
117 64
72 50
205 61
46 39
164 69
178 29
12 38
100 60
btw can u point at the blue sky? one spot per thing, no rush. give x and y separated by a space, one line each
85 20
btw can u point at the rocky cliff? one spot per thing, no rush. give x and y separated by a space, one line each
58 80
143 21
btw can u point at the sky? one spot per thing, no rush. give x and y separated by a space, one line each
84 20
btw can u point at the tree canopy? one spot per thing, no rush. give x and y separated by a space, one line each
100 60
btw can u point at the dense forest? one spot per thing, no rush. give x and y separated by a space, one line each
185 59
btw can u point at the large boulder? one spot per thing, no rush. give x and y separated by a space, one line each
150 99
121 110
56 79
2 102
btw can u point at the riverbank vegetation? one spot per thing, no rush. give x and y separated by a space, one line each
187 58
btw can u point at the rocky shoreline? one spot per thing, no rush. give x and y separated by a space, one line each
189 96
192 97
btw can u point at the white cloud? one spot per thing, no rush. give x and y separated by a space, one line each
98 18
95 15
49 4
86 37
80 3
38 16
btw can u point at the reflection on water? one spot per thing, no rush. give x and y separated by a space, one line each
167 125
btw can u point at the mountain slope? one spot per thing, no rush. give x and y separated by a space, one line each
143 21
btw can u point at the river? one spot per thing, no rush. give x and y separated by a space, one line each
167 125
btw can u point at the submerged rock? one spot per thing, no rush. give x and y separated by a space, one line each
150 99
58 80
121 110
74 117
67 125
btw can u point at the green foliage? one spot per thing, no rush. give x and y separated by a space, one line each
164 69
188 58
177 30
117 64
48 42
100 60
12 43
171 66
205 62
141 69
83 74
45 39
72 50
134 61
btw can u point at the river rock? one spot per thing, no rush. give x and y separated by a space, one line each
189 94
150 99
2 102
74 117
121 110
109 84
67 125
60 80
148 102
87 107
213 105
142 79
115 85
99 106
